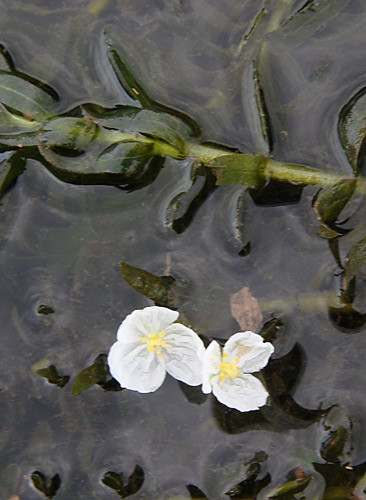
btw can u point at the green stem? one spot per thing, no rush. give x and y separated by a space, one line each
276 170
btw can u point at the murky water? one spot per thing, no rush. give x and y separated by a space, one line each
61 245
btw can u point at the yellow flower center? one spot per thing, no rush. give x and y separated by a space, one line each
229 369
155 341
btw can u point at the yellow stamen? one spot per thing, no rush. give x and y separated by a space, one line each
229 369
155 341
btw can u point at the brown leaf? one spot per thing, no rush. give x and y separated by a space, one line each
245 309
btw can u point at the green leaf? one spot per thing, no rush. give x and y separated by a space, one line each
183 207
40 482
25 97
116 482
82 151
352 129
93 374
290 488
69 133
159 125
5 59
355 260
135 90
241 169
334 445
10 169
255 108
156 288
330 203
13 125
53 377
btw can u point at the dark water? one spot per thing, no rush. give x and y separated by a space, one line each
61 245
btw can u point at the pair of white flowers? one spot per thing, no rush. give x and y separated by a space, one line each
149 344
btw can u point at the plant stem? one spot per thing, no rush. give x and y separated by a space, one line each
276 170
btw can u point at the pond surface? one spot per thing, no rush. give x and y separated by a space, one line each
61 245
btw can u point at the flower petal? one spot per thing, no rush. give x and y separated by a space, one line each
143 322
183 358
252 351
244 393
135 368
211 365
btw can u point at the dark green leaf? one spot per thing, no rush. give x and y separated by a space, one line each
79 150
334 445
154 124
24 97
250 487
156 288
40 483
290 488
44 309
352 129
6 63
184 206
116 482
69 133
196 492
330 203
53 377
94 374
241 169
271 329
10 169
137 92
354 261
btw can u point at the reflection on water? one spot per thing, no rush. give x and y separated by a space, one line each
61 245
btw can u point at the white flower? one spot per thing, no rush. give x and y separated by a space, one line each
149 344
226 371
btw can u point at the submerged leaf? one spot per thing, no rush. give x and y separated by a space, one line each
10 169
156 288
93 374
255 109
245 309
26 98
52 375
184 206
195 492
250 487
330 203
354 261
116 482
290 488
137 92
334 445
40 482
352 129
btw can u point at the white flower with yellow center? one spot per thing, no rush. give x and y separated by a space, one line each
149 344
226 372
